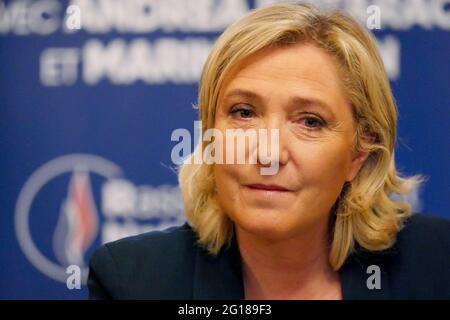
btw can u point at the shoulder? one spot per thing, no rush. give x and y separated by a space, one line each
415 267
421 235
420 261
422 231
125 268
167 244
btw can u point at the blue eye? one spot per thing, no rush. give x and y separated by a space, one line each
242 112
312 122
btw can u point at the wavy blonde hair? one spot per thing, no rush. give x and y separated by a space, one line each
364 213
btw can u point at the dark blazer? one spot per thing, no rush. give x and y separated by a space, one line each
170 265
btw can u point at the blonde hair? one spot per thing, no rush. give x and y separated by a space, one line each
364 213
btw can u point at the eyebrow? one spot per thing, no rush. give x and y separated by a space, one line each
295 100
242 93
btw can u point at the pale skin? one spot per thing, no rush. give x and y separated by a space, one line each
283 235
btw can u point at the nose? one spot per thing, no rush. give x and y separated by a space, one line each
273 142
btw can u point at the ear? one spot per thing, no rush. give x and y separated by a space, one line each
357 162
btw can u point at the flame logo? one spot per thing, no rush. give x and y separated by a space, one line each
77 224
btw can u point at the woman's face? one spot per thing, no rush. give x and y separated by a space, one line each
297 90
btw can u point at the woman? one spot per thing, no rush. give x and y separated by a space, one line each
324 225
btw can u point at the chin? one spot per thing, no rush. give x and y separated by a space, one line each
266 224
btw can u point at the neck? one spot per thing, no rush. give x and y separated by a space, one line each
293 268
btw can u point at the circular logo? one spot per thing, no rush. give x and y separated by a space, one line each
77 223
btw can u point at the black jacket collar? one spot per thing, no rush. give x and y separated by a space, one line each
220 277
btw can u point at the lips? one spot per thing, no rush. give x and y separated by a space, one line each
267 187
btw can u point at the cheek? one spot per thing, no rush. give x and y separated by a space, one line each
227 179
227 188
325 162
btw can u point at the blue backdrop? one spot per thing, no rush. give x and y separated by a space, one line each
87 116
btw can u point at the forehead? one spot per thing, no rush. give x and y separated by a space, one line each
295 70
